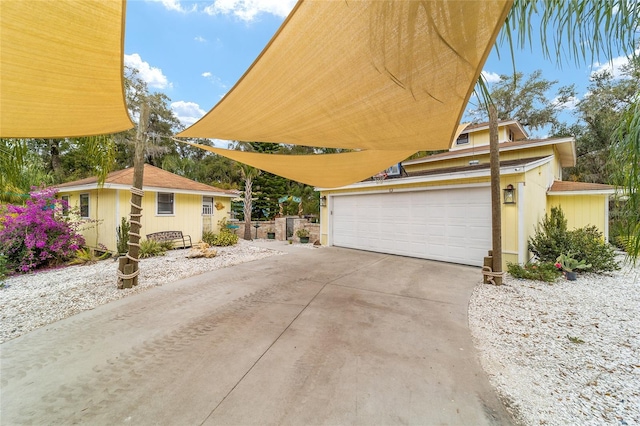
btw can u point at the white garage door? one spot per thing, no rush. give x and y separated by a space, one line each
452 225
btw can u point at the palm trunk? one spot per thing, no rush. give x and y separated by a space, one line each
496 224
248 184
128 268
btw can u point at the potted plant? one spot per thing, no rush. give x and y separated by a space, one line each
271 234
569 265
303 234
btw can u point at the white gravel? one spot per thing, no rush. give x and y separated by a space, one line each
34 300
566 353
558 354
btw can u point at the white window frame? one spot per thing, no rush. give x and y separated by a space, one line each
65 210
207 208
88 206
459 141
173 204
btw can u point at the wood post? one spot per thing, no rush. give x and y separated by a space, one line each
496 212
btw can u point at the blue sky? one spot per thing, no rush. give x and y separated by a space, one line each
194 52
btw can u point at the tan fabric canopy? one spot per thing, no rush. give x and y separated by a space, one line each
327 170
371 75
61 65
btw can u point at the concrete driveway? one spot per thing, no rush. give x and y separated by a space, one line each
324 336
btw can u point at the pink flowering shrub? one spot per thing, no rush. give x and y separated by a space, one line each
37 233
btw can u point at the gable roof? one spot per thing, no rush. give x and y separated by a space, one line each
512 124
565 147
154 179
569 188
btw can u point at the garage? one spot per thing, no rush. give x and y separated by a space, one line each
451 225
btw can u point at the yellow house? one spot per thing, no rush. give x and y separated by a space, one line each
170 203
439 207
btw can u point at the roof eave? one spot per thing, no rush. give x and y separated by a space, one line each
114 186
504 171
485 150
585 192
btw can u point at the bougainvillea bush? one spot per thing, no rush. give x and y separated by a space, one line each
37 233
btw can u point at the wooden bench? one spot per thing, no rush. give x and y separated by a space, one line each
171 236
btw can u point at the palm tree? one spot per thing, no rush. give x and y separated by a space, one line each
581 31
248 174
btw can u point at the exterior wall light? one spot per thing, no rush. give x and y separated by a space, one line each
323 201
509 194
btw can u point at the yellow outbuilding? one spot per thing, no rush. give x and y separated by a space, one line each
170 203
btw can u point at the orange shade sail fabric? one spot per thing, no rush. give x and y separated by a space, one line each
365 75
61 68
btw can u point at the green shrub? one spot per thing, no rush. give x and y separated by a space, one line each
552 239
88 256
3 267
587 244
224 238
208 237
150 248
166 245
122 236
543 271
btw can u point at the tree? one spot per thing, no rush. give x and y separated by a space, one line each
248 174
162 124
526 99
599 115
21 169
581 31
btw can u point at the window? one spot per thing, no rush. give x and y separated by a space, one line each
65 205
463 139
84 205
165 203
207 205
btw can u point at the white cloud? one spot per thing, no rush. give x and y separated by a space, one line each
248 10
187 112
614 66
151 75
491 77
214 79
200 39
175 5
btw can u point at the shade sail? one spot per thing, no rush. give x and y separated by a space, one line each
61 66
375 75
325 170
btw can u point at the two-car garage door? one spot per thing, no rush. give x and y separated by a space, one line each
452 225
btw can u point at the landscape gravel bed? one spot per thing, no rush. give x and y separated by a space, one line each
37 299
563 353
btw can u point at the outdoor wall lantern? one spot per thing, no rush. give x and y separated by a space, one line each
323 201
509 194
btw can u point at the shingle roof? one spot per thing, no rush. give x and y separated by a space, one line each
568 186
483 166
153 177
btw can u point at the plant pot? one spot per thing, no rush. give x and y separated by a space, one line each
271 235
571 275
304 240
